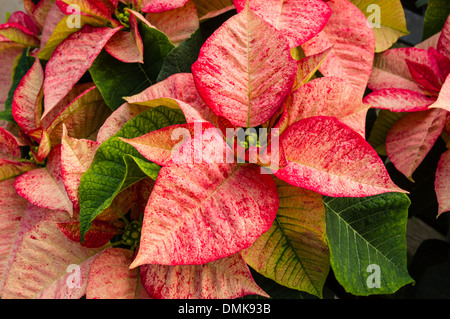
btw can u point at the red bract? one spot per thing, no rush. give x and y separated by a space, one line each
416 81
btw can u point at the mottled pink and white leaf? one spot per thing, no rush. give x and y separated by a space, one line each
350 59
27 101
225 278
44 187
111 278
326 156
246 77
399 100
298 20
412 137
44 261
76 158
70 60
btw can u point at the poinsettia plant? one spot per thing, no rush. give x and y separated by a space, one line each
414 82
187 149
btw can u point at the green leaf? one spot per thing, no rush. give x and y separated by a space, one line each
435 17
367 241
116 79
23 65
118 165
181 58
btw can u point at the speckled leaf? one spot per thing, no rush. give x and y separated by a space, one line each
57 30
350 59
412 137
327 96
178 24
70 60
202 208
117 165
19 34
390 69
83 116
12 207
98 235
76 158
326 156
159 146
111 278
246 78
364 234
398 100
294 252
127 46
225 278
27 101
161 5
44 187
442 183
41 267
298 20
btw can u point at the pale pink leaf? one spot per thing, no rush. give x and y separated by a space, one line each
443 100
45 261
202 208
44 187
127 46
12 208
111 278
326 156
7 56
159 146
27 101
76 158
70 60
398 100
327 96
29 217
177 24
9 148
245 78
350 59
298 20
225 278
412 137
442 183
